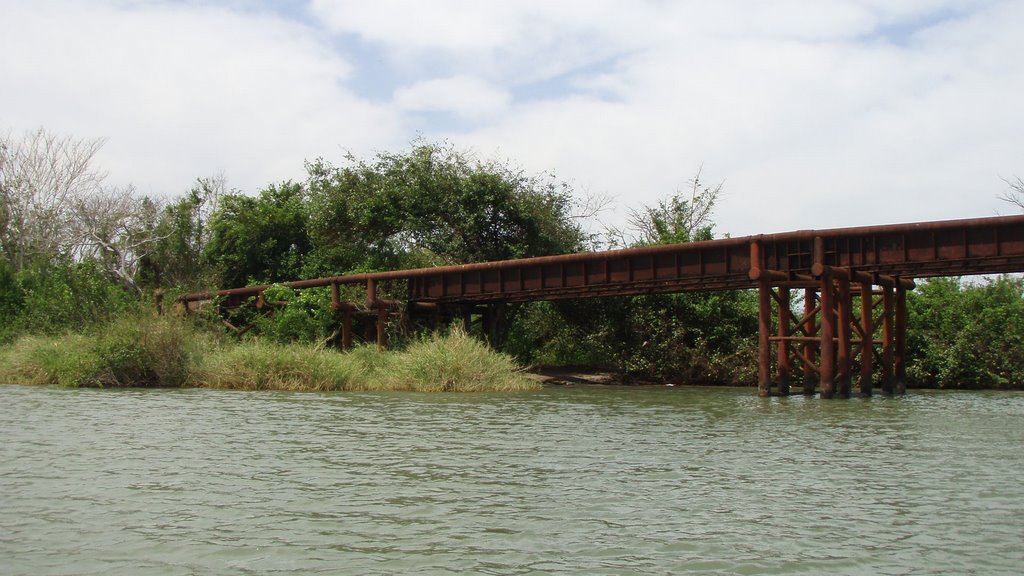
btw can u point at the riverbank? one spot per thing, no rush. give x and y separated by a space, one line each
171 353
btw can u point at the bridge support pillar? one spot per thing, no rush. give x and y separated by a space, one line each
836 334
785 343
764 350
827 365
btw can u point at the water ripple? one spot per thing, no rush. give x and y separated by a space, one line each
566 480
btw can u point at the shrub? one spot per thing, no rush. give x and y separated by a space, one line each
455 363
258 365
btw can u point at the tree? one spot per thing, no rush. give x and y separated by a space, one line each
183 232
118 228
1015 195
42 179
259 240
684 216
434 205
967 335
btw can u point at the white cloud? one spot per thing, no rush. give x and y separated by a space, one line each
816 114
463 96
183 91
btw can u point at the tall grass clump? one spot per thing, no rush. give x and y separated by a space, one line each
137 350
45 360
260 365
455 362
146 350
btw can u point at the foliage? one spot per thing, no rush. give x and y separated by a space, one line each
298 315
967 335
259 240
54 297
146 350
183 232
137 350
43 177
54 205
696 338
261 365
434 205
685 216
454 363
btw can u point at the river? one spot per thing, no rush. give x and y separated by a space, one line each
568 480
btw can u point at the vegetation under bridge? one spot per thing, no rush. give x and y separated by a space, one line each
853 281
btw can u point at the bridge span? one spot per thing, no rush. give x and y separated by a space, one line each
853 281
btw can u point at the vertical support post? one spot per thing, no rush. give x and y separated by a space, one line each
382 312
382 325
888 338
810 351
828 334
346 321
785 321
867 345
845 322
900 366
346 329
467 319
371 290
764 328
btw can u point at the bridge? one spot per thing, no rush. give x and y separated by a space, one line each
854 283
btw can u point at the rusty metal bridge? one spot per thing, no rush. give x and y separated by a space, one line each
835 269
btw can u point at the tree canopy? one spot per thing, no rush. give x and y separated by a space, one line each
427 206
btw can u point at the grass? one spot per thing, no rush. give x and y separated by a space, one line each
146 350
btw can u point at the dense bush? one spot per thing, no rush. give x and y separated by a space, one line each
967 335
140 349
60 296
696 338
145 350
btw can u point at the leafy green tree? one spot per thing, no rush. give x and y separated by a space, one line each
262 239
964 335
685 216
183 232
434 205
693 337
57 296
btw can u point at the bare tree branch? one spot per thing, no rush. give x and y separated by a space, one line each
42 175
683 217
117 227
1015 195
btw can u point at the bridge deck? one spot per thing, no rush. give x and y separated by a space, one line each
914 250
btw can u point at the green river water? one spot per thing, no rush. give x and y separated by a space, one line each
568 480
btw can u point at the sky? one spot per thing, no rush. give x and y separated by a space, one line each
812 113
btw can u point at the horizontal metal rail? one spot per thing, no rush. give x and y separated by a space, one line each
914 250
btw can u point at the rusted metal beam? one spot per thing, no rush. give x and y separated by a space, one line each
764 328
916 250
785 319
843 355
888 339
867 334
827 356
